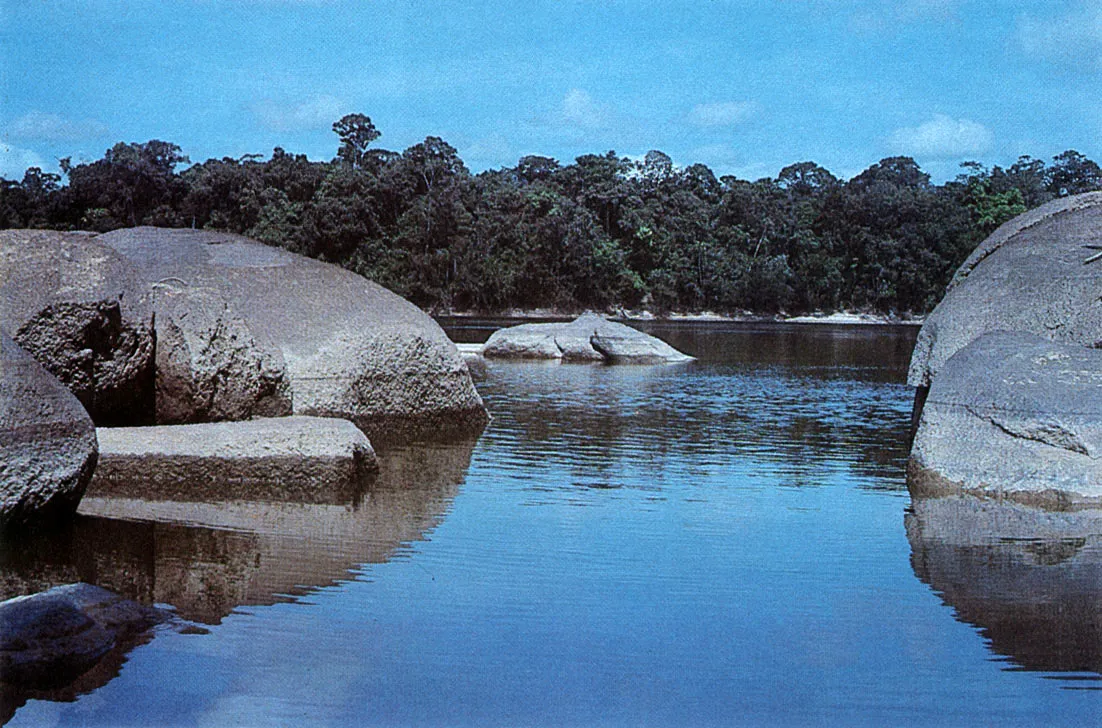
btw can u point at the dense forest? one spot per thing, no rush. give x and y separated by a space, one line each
605 232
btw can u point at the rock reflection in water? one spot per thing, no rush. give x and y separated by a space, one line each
1031 580
206 558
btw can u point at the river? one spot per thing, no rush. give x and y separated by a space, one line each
724 542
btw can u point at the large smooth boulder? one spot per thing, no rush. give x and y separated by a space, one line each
78 307
1013 416
47 442
325 340
587 338
284 458
50 638
1030 275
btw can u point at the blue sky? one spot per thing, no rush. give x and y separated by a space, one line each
745 86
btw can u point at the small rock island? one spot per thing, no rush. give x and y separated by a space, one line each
588 338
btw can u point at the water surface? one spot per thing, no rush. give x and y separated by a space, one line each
728 541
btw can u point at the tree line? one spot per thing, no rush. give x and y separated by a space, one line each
604 232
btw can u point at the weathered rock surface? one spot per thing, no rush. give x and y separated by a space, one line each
252 330
1030 275
49 639
299 458
1030 579
47 441
587 338
210 366
78 308
1013 416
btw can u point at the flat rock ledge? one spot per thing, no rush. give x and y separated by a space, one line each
588 338
1016 417
283 458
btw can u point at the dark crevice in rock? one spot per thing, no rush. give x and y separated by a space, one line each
1047 433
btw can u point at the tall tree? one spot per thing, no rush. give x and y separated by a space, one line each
1072 173
356 132
133 184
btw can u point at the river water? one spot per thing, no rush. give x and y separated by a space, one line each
724 542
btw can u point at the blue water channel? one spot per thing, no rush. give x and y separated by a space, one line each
724 542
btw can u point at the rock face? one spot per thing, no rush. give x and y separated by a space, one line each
210 366
246 330
47 441
1031 275
308 456
587 338
1014 416
49 639
77 307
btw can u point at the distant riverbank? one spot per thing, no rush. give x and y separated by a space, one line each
835 317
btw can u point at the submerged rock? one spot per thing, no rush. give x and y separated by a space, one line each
1030 275
587 338
49 639
253 330
47 441
79 308
1013 416
299 458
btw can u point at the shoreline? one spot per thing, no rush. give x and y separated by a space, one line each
836 318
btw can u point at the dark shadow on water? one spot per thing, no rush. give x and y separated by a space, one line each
594 421
1029 580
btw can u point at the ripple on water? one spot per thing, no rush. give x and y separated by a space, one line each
694 544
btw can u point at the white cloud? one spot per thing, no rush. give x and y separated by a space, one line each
943 136
486 152
582 110
890 16
724 113
41 126
935 9
14 161
315 113
724 159
1074 38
